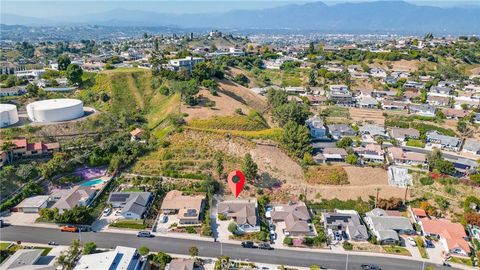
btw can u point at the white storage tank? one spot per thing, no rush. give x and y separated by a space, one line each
8 115
55 110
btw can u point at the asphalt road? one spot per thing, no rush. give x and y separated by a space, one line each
208 249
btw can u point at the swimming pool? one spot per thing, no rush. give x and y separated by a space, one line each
92 183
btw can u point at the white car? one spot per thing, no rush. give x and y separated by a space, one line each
163 219
412 242
107 211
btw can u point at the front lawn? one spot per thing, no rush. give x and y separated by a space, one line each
466 261
136 224
397 250
416 143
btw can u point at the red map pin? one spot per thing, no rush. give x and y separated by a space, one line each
236 180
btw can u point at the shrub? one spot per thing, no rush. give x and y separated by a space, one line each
262 236
475 178
426 181
232 227
288 241
347 245
190 229
222 216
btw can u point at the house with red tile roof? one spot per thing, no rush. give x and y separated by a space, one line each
417 214
451 235
22 148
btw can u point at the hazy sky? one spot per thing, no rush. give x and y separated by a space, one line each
62 8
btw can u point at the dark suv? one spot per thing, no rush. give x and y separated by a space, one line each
248 244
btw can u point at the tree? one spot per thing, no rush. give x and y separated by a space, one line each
288 241
89 248
143 250
232 227
297 139
161 259
63 62
445 167
67 259
26 171
250 168
241 79
344 142
462 126
351 159
218 163
291 111
276 98
312 78
193 251
74 74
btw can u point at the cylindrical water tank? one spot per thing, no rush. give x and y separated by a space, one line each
8 115
55 110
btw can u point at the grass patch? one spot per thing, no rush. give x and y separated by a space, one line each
237 122
326 175
275 134
416 143
336 112
45 251
421 247
4 245
397 250
136 224
466 261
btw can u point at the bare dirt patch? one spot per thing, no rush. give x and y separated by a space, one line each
274 165
406 65
243 95
326 175
224 105
361 176
367 115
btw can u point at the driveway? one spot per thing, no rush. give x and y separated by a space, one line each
435 254
412 249
20 218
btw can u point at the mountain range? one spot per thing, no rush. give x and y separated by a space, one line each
363 17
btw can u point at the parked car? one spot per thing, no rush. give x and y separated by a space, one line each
163 218
248 244
370 267
51 243
273 235
411 241
107 211
144 234
69 228
265 245
429 243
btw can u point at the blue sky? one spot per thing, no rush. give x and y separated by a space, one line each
65 8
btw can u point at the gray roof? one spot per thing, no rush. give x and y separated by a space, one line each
472 145
433 135
181 264
385 223
440 89
372 130
350 221
366 100
135 202
403 132
315 122
242 211
388 234
341 128
22 257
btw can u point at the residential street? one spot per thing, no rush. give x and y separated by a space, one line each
211 249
